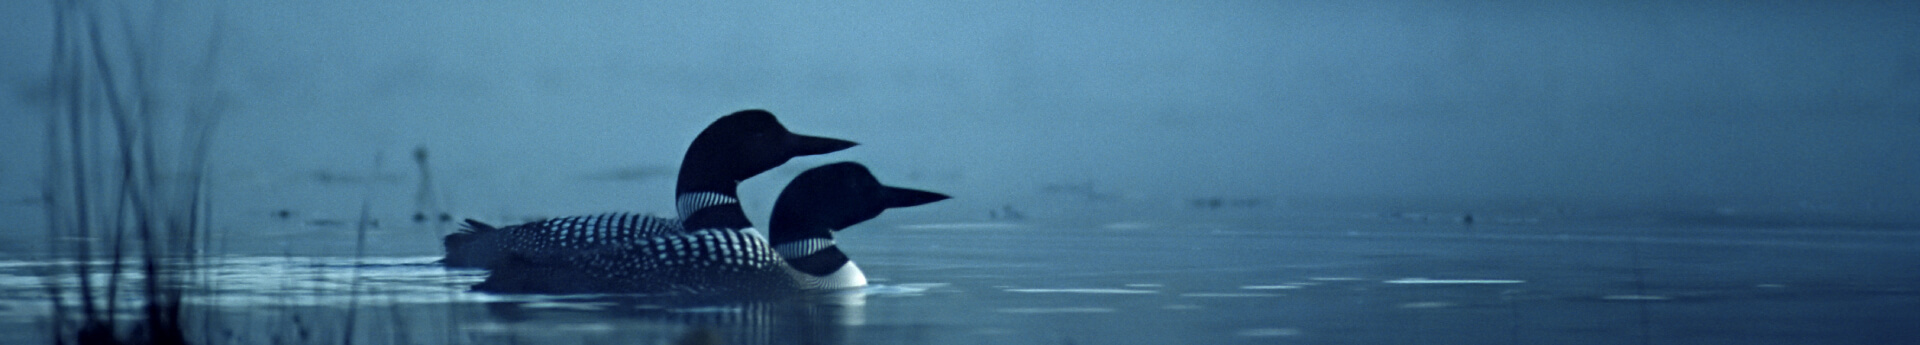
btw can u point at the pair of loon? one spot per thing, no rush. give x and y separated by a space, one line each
711 247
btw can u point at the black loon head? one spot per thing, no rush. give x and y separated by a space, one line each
826 199
833 197
743 144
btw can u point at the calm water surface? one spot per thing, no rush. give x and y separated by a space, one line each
1344 282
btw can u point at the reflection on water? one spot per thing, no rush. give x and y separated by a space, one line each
817 318
242 282
1352 284
304 293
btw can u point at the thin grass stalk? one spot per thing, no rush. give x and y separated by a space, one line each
77 190
359 254
56 225
129 187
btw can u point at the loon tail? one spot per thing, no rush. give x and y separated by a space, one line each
463 249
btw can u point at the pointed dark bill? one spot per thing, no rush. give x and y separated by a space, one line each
807 145
901 197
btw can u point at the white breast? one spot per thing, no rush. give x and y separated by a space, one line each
848 276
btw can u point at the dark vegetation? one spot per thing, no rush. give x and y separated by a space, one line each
126 189
132 107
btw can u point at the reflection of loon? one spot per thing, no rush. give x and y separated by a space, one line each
812 318
732 149
728 260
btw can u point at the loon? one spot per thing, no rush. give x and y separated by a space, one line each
732 149
798 254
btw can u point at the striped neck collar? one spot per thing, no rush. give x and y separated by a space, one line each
710 210
688 203
802 248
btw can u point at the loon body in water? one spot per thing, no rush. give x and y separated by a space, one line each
798 254
734 148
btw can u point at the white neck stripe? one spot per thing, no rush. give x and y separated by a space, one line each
689 203
802 248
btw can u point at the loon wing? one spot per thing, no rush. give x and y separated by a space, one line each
713 260
564 236
481 245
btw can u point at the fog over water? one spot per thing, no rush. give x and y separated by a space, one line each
555 109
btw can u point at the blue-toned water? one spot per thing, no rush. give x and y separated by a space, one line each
1352 281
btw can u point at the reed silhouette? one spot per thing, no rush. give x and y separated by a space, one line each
126 181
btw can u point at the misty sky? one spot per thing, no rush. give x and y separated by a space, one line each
522 103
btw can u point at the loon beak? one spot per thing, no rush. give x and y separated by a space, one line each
806 145
897 197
